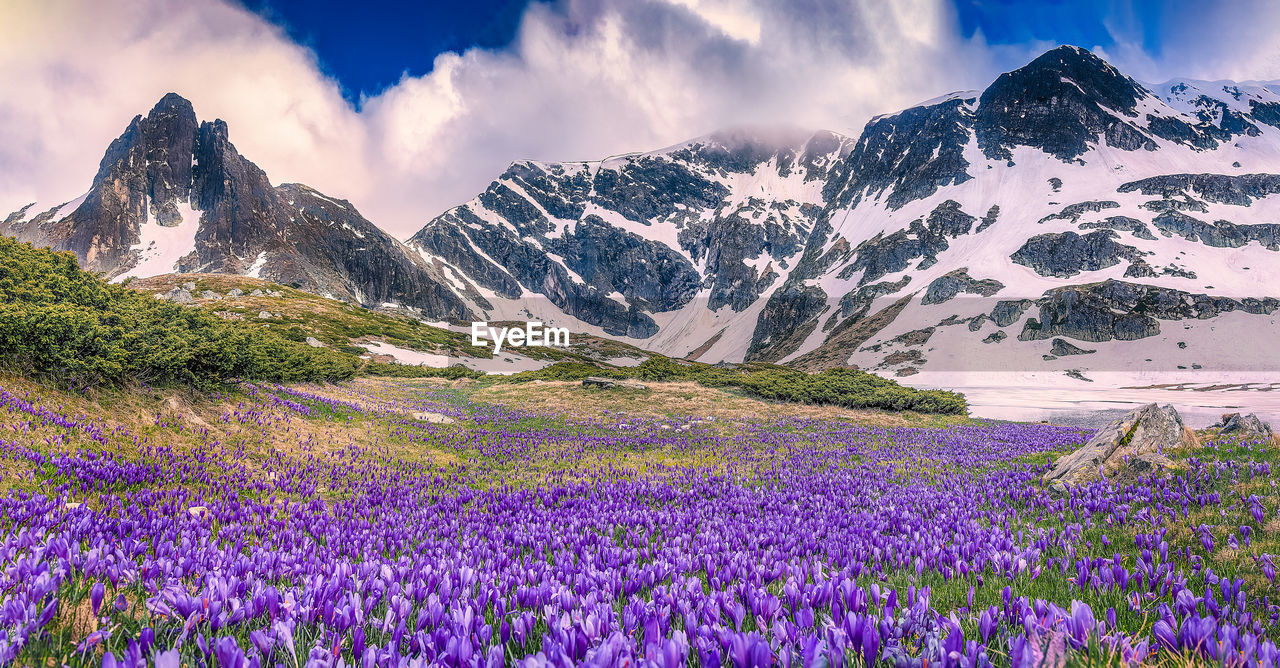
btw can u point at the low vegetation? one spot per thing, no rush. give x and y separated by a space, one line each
61 323
271 524
849 388
296 315
409 371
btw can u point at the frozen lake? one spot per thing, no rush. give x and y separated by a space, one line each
1200 399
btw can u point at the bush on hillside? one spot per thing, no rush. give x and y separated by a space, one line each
410 371
850 388
58 321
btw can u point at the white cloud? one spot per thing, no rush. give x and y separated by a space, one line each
1208 41
583 79
74 75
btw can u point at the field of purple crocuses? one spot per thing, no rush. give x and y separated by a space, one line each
401 522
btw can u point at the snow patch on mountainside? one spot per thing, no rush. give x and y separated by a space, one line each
255 269
160 247
406 355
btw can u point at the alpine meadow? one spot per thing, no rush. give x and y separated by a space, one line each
983 382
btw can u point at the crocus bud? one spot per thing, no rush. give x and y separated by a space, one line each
95 596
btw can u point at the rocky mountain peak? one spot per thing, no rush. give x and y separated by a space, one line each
174 194
1060 102
904 249
172 105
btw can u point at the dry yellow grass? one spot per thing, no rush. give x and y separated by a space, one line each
679 399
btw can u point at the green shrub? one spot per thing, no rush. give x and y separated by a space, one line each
58 321
409 371
565 371
850 388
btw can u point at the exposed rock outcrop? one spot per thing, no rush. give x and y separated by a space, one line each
1221 234
1126 311
610 383
1062 348
1066 254
169 170
1247 426
947 286
1137 443
1134 226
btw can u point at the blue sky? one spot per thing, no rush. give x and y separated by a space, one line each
368 51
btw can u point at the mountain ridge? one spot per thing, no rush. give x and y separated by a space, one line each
916 197
976 208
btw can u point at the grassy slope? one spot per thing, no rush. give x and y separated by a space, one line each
61 323
341 325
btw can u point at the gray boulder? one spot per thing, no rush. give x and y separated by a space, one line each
1249 426
189 286
235 292
255 293
179 296
314 342
1062 348
210 294
263 315
609 383
1136 443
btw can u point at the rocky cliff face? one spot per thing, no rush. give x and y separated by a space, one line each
1066 201
981 231
711 225
173 194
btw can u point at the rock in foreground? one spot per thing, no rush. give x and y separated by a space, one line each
1136 442
607 383
1249 426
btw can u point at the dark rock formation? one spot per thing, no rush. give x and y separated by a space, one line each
612 260
523 263
1062 348
1125 311
1060 103
947 286
1066 254
908 155
1072 212
1139 269
882 254
167 160
1249 426
646 189
990 219
1237 190
857 302
1007 312
1221 234
1134 226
